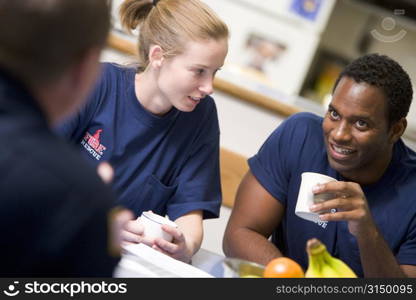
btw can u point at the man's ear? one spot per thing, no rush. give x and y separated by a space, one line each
155 56
86 67
397 130
85 72
82 75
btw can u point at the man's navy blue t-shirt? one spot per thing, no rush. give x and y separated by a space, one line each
168 164
298 146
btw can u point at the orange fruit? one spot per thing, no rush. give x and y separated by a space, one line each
283 267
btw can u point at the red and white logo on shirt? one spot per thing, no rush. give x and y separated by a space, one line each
91 143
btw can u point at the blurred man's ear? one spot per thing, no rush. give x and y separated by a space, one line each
85 71
397 130
80 79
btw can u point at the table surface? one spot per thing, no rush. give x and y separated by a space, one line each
209 262
142 261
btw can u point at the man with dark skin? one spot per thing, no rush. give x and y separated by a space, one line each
372 224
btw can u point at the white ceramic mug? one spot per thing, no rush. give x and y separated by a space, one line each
306 197
152 224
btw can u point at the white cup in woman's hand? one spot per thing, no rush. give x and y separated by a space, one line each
152 224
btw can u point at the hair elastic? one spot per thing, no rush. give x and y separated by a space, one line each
155 2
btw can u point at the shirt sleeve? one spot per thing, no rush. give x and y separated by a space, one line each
406 254
199 186
269 166
73 127
280 154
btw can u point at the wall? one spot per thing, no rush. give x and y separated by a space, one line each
273 21
350 23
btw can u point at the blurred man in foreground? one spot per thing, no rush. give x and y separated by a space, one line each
53 207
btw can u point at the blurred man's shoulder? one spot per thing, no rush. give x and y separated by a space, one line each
49 165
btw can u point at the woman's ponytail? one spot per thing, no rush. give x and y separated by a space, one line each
134 12
170 24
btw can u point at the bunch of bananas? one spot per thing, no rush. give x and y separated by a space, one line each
323 265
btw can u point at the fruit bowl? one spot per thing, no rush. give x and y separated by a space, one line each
240 268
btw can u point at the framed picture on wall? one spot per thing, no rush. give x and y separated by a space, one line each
266 53
262 51
259 58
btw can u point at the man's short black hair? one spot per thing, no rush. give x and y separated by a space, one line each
386 74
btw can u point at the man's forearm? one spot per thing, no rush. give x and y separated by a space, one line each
250 245
377 258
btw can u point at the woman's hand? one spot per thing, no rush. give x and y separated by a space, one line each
178 248
187 237
133 233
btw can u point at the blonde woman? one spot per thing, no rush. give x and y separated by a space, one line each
157 125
